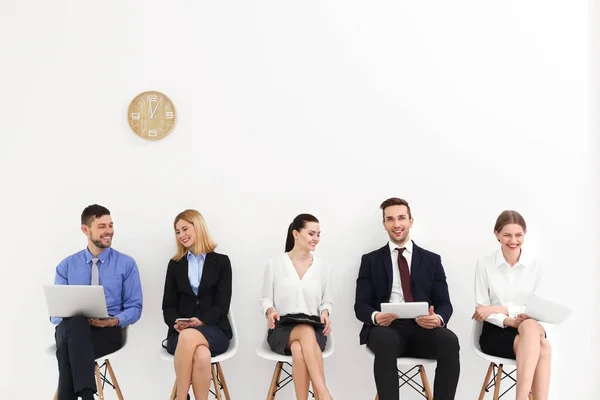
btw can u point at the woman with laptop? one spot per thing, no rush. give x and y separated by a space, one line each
504 280
195 304
296 301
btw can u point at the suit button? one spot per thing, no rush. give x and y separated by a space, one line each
197 302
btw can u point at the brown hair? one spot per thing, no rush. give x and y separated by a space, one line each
204 243
509 217
93 212
395 201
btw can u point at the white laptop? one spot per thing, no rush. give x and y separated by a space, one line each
76 300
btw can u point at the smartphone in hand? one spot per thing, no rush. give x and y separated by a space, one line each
182 320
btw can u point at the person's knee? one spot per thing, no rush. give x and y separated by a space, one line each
530 327
306 333
187 338
202 357
449 344
306 330
296 349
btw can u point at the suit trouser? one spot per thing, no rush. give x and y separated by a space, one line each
404 338
77 346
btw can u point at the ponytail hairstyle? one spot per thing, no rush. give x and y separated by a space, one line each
298 223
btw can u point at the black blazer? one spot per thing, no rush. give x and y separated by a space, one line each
214 294
374 284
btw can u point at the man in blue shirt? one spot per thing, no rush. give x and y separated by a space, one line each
79 341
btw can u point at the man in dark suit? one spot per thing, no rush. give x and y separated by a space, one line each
399 272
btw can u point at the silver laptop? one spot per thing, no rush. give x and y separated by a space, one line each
76 300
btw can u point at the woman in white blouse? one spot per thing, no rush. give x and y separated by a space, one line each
503 282
296 286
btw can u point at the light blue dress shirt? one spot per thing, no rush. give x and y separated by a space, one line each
118 274
195 269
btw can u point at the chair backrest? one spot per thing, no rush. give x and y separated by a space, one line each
234 343
125 330
475 334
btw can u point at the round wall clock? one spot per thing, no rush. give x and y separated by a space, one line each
151 115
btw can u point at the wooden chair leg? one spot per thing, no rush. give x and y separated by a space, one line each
498 381
274 380
99 383
113 378
486 381
56 394
174 391
425 382
213 372
221 376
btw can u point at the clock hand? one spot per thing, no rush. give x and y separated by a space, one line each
152 112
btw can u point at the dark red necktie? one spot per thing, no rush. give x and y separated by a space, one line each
404 276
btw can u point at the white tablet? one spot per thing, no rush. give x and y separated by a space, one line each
76 300
406 310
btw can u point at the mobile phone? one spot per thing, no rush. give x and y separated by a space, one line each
182 320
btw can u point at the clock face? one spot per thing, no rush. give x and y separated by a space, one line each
151 115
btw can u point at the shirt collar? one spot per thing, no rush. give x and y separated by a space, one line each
103 257
524 259
199 257
408 246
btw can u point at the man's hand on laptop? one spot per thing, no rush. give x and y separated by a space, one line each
104 323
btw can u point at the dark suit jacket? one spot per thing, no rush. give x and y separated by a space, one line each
211 305
374 284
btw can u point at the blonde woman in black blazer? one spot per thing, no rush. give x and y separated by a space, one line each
197 289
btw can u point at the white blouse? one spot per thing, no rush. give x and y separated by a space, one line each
288 294
499 284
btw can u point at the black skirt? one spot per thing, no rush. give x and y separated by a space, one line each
279 337
498 342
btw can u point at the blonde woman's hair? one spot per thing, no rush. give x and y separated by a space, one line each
204 243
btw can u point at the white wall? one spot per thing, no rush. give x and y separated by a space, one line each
463 108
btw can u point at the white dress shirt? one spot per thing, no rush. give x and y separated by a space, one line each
288 294
499 284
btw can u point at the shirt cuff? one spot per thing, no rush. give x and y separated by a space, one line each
265 306
513 311
373 317
441 319
497 319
